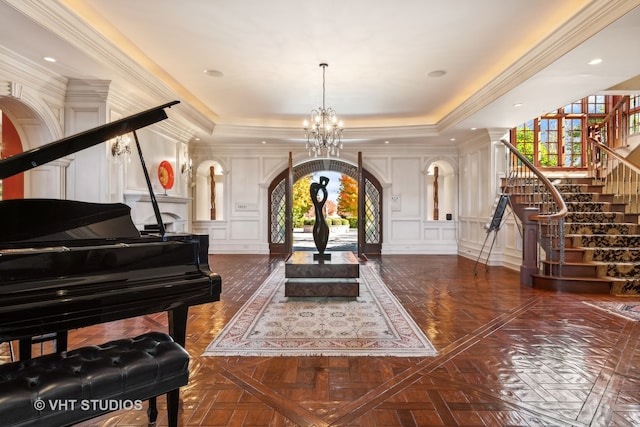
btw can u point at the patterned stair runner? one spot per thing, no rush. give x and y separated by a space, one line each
606 239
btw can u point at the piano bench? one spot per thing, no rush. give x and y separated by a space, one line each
69 387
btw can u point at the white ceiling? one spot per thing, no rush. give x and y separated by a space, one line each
495 53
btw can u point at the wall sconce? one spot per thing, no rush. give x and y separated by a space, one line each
121 146
187 167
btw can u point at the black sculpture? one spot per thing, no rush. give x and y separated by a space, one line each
320 228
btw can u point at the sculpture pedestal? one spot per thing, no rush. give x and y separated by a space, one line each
309 277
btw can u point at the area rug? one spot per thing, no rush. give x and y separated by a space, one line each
627 309
373 324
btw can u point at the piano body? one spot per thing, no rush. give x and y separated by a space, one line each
68 264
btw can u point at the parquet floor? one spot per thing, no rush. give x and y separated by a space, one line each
508 356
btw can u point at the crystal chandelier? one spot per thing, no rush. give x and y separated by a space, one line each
325 130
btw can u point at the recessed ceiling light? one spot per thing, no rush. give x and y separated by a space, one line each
595 61
517 104
386 142
452 139
214 73
49 59
264 142
197 139
437 73
474 128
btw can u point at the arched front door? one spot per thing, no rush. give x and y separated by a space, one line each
369 212
280 224
369 205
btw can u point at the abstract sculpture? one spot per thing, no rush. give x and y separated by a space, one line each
320 228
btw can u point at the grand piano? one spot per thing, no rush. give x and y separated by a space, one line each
68 264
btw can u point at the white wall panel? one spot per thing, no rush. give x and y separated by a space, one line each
244 188
405 230
244 230
431 234
218 234
482 179
155 149
407 183
449 234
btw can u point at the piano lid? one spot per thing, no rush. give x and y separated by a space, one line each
55 150
25 220
32 220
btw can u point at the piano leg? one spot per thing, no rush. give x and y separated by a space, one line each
173 398
178 324
178 330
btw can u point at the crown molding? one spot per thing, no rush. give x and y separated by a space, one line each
584 24
31 74
60 20
479 139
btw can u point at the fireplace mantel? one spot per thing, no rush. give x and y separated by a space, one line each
174 211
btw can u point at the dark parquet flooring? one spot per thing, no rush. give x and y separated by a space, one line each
508 355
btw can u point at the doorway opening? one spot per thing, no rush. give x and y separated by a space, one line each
367 224
340 212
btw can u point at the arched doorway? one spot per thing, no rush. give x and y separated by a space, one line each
21 129
369 206
10 144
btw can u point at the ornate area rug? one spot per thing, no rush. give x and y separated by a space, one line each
627 309
373 324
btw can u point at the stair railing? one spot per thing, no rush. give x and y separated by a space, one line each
543 213
618 175
613 130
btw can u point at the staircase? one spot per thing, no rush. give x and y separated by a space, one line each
601 241
588 235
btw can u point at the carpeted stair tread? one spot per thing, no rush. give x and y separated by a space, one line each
608 217
580 197
612 254
626 270
605 240
588 206
572 188
599 228
625 286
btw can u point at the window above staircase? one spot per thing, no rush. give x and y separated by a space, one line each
559 140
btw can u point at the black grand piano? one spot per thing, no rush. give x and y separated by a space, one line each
68 264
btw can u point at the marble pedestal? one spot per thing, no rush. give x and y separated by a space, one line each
308 277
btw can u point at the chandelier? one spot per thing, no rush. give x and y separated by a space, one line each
324 132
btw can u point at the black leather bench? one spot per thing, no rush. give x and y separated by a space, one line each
69 387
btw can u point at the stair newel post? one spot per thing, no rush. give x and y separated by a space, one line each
529 246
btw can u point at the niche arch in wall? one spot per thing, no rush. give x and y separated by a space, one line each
210 196
441 187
